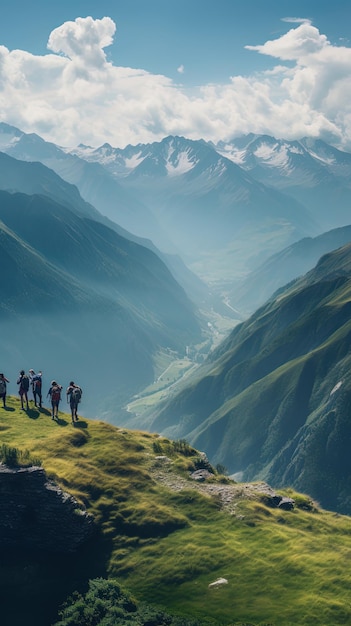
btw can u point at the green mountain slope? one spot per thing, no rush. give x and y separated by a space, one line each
262 403
35 178
84 301
166 537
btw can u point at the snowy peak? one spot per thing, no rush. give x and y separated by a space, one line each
266 152
305 160
173 156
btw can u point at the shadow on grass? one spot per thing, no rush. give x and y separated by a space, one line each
33 414
45 411
8 408
61 422
80 424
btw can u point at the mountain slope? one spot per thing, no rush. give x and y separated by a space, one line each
103 305
285 266
32 177
262 403
95 184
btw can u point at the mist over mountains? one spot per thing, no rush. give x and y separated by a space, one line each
80 301
117 256
181 194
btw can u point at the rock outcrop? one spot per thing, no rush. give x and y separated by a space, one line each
36 514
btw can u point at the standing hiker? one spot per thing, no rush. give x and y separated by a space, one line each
36 382
55 395
3 381
74 395
23 382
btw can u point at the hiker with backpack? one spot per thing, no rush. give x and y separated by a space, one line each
3 381
23 382
55 395
74 395
36 382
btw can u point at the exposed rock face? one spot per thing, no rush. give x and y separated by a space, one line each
36 514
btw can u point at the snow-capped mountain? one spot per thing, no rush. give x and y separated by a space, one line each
94 182
174 156
309 159
310 170
202 199
224 209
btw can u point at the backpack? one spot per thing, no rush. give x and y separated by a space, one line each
76 394
37 384
2 386
55 394
25 382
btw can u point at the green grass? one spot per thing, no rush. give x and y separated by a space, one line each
165 547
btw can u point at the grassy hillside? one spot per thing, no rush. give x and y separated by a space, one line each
262 402
166 537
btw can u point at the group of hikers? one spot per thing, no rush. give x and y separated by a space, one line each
34 380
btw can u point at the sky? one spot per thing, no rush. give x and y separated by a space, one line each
134 71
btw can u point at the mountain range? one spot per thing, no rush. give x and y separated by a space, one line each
310 170
223 209
183 195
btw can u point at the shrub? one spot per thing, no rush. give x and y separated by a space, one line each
13 457
157 448
106 603
182 447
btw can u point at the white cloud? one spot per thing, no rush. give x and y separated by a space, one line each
83 40
180 69
295 45
297 20
73 94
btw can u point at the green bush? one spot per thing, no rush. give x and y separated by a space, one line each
181 446
13 457
157 448
107 604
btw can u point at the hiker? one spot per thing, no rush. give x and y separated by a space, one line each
36 382
3 381
55 395
74 394
23 382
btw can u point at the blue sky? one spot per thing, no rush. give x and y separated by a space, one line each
192 46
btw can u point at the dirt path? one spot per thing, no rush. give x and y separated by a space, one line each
227 494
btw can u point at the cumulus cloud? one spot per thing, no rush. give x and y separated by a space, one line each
73 94
297 44
83 40
180 69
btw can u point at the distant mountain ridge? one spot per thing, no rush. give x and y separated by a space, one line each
309 170
225 208
286 266
183 195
